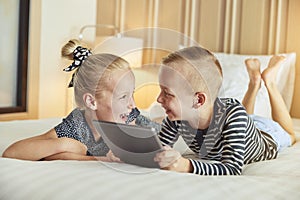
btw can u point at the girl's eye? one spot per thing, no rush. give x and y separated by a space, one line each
123 97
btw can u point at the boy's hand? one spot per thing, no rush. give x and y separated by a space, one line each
170 159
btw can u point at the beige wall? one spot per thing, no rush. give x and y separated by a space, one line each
231 26
293 44
61 20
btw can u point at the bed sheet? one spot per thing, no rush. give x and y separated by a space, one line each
274 179
94 180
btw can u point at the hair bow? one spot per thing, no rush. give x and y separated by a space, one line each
79 55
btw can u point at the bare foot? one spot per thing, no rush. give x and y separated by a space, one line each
253 68
270 73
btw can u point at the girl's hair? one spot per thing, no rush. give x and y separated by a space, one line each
94 73
200 68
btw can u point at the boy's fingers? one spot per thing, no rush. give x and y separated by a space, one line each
167 147
167 158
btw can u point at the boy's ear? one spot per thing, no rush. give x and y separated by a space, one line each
90 101
199 99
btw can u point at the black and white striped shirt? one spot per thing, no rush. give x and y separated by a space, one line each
230 142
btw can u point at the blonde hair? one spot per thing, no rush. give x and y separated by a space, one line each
200 67
94 73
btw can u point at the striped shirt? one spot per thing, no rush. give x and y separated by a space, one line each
230 141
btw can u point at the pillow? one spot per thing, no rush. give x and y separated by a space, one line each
235 81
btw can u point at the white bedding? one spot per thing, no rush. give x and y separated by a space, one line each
274 179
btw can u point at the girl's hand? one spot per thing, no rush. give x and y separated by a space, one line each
170 159
111 157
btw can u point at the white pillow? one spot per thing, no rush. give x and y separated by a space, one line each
235 81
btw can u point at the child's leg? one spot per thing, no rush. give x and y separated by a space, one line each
253 68
280 113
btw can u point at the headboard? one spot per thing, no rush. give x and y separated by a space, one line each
242 27
235 82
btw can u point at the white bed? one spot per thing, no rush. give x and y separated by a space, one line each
274 179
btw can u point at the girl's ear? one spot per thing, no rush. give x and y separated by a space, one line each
90 101
199 99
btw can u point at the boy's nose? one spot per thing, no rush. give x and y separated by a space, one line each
159 98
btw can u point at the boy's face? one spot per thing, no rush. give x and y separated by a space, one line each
117 101
176 95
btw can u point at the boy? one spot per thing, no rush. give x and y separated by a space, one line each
217 129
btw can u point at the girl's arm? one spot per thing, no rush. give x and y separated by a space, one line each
75 156
42 146
70 156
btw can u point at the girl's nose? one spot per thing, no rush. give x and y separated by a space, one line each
131 103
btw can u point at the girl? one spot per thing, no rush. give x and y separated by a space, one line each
103 89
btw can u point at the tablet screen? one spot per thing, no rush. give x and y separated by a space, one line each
132 144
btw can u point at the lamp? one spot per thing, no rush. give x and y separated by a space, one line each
129 48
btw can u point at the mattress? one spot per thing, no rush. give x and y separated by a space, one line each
19 179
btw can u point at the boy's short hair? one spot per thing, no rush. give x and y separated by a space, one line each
200 68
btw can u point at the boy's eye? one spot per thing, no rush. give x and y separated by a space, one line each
168 94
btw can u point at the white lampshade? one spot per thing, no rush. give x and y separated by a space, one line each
129 48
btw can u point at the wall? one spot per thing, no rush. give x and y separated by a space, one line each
231 26
61 20
52 24
293 44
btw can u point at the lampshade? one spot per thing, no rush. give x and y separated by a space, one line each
129 48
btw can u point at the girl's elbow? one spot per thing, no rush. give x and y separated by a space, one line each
8 153
12 152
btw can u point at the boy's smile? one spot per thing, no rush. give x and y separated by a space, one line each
176 95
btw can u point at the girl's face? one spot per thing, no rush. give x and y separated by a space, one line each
176 96
117 101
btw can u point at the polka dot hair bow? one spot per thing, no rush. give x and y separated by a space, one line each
79 55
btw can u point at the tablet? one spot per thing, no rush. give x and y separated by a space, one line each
132 144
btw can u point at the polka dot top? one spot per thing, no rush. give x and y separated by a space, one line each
75 126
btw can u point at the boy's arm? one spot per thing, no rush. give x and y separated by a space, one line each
232 147
168 134
171 159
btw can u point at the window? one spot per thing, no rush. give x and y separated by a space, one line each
14 17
